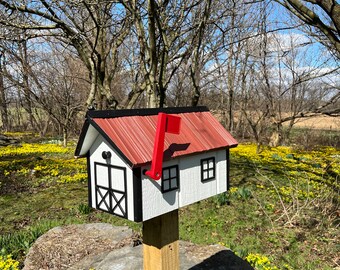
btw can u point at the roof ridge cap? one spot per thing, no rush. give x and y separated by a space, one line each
143 112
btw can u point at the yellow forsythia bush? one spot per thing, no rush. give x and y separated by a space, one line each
7 263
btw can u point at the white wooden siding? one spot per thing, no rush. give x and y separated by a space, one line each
221 171
191 188
96 150
156 203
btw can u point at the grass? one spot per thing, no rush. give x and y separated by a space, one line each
55 202
282 206
308 137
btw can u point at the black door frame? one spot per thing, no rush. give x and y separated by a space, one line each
113 201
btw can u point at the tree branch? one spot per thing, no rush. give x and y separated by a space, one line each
309 17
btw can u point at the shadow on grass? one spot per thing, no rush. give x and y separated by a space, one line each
223 260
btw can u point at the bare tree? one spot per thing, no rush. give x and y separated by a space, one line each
19 71
3 100
292 88
169 34
270 82
62 95
232 58
49 86
323 16
94 29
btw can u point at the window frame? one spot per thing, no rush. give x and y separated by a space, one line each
213 169
170 178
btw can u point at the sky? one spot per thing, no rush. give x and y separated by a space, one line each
311 55
282 18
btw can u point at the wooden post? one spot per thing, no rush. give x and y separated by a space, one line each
160 242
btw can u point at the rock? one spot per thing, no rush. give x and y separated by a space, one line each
104 247
5 140
62 247
123 258
193 257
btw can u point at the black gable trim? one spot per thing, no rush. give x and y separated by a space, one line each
82 138
144 112
106 137
228 168
89 188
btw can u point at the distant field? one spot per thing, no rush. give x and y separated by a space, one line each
320 122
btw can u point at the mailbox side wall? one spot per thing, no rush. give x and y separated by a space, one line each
96 150
156 203
191 188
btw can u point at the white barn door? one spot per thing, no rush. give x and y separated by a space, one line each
110 189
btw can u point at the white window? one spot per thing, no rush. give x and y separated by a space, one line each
208 169
170 178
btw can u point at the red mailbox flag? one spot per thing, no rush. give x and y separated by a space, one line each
165 123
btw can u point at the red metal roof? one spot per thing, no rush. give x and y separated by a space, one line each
134 135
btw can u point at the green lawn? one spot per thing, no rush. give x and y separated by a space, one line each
282 205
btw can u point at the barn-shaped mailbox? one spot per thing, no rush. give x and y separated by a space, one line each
120 150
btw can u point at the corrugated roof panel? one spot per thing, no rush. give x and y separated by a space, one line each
134 135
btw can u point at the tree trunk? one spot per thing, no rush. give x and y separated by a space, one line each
152 98
277 136
45 127
132 97
27 102
196 79
231 73
65 136
3 102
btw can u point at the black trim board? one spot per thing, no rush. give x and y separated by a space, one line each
82 138
89 188
137 194
228 168
143 112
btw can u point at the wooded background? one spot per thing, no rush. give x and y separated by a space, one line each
260 65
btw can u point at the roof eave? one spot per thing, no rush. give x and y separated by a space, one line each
109 140
81 139
137 165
